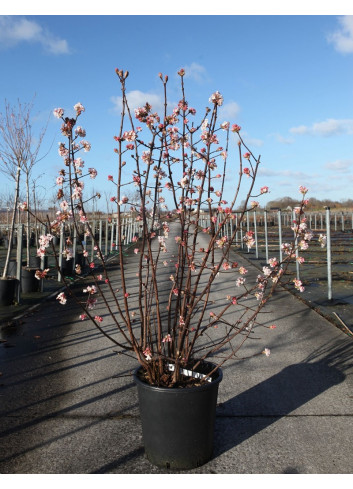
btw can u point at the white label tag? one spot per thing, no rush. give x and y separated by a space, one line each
189 373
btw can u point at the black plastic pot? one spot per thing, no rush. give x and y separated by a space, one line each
80 259
12 268
67 266
178 423
6 242
29 283
35 262
8 288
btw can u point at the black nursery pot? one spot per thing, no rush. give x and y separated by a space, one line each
67 266
8 287
80 259
35 261
178 423
56 240
29 282
12 268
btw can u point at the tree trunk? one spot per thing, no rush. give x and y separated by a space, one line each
12 229
28 224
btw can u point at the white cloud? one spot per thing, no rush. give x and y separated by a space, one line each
249 141
229 111
195 71
300 130
253 141
14 30
340 166
329 127
342 39
136 99
283 140
266 172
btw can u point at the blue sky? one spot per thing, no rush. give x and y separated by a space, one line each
285 79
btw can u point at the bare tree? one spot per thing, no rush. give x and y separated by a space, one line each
18 152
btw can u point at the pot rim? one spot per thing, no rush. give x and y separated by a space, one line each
173 391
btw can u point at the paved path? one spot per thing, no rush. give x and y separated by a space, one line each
68 403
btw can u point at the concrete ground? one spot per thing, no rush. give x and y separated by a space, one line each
69 405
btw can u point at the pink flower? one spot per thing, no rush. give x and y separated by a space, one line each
249 239
86 146
79 131
235 128
110 177
99 319
92 172
79 163
273 262
264 190
246 172
148 354
126 295
63 151
91 303
247 156
216 98
41 274
61 298
129 136
267 271
303 190
298 285
124 200
167 339
225 125
322 240
83 317
79 108
91 289
58 113
23 206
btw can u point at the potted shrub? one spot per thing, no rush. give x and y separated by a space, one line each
179 334
10 165
18 153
